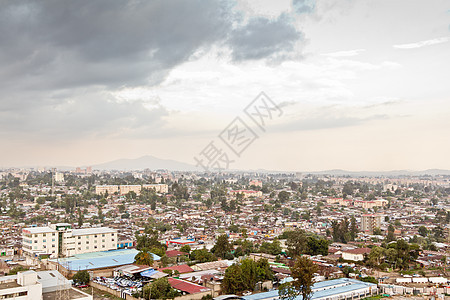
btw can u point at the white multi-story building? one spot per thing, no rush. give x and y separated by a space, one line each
40 241
31 285
159 188
63 241
103 189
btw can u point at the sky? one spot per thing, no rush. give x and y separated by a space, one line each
353 84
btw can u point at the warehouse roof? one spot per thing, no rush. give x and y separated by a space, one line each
99 260
98 230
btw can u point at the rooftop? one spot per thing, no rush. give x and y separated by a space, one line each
101 259
35 230
97 230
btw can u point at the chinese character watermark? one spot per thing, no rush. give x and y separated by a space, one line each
238 135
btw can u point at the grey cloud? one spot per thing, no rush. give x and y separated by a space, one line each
263 38
304 6
328 123
85 116
59 58
82 39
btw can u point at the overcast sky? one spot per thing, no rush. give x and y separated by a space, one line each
363 85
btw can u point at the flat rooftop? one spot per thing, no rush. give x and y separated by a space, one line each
332 288
65 294
100 260
35 230
9 285
97 230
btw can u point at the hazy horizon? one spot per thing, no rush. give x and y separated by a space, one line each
362 85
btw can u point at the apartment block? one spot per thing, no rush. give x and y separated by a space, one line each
369 222
63 241
102 189
125 189
159 188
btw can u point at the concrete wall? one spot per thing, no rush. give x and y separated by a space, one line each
111 291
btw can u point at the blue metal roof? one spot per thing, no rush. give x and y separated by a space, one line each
149 273
101 259
320 289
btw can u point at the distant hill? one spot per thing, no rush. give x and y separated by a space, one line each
145 162
338 172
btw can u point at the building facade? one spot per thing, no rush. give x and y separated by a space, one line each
60 240
369 222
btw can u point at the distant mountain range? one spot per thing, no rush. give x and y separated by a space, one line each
145 162
338 172
154 163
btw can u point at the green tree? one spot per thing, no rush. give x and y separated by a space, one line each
81 277
273 248
202 255
303 273
222 246
390 234
423 231
144 258
186 249
283 196
244 276
375 256
160 289
296 242
233 281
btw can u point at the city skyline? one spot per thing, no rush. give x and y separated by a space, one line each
362 84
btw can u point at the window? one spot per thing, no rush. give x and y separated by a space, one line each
44 240
103 235
79 243
53 246
35 241
35 235
103 241
45 246
95 247
79 237
95 236
87 247
87 242
53 240
112 234
79 248
113 240
53 234
103 246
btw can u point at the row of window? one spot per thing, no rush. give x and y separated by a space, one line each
14 295
95 241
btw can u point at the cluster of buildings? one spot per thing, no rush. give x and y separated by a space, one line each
125 189
90 223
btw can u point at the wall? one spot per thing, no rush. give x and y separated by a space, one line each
111 291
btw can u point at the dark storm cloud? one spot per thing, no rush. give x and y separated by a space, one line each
61 59
262 38
111 42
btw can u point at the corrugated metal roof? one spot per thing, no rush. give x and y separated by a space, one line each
102 259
